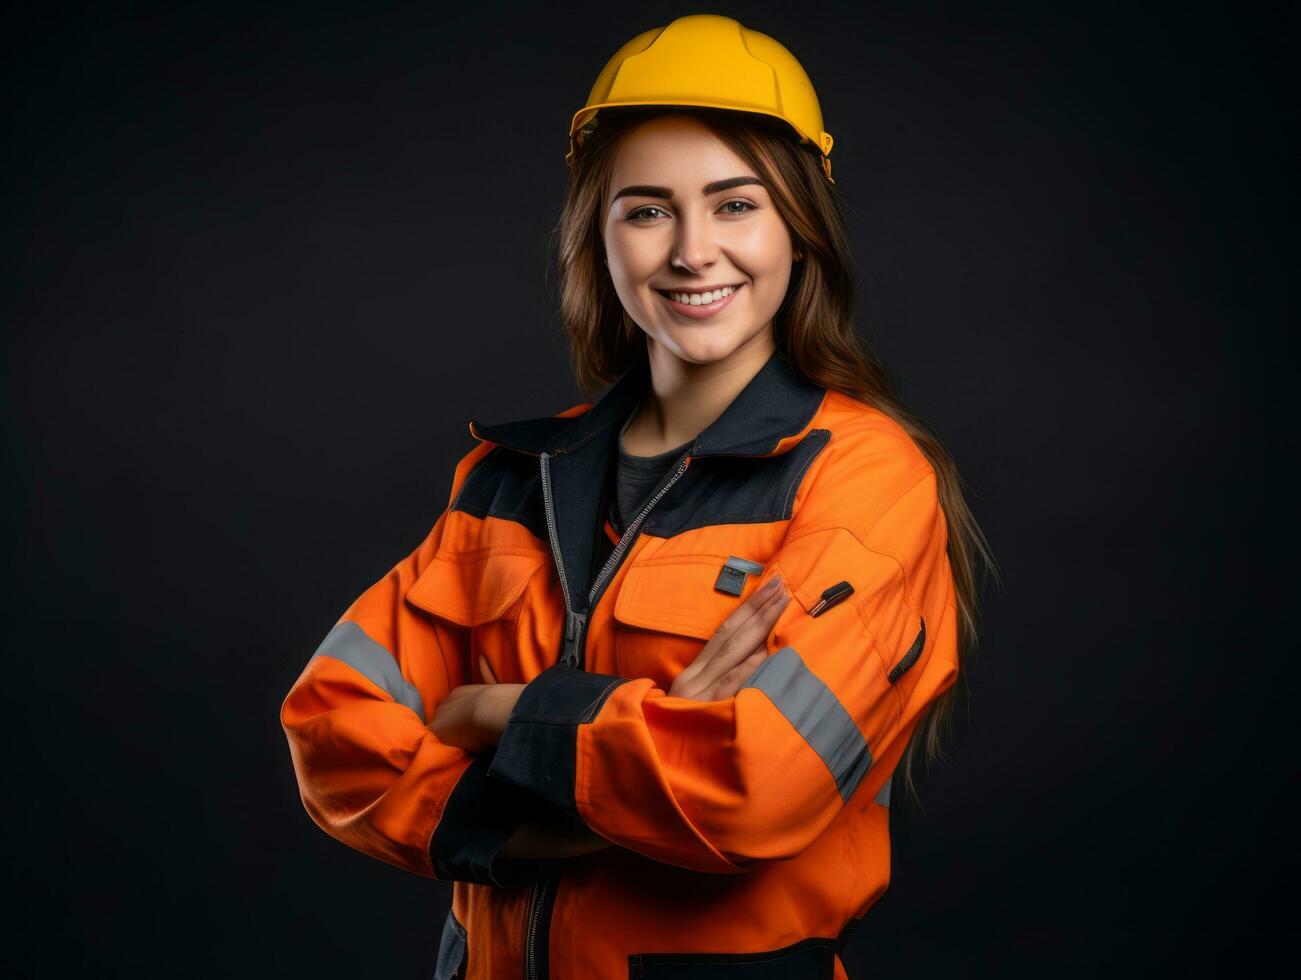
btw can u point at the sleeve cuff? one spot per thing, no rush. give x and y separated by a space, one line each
478 819
538 749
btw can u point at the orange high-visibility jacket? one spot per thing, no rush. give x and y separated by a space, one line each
750 833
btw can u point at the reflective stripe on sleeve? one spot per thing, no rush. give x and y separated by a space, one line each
883 797
349 644
817 715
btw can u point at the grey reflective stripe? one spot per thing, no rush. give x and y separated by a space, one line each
883 796
348 643
817 715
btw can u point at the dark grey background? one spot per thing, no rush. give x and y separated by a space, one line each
263 266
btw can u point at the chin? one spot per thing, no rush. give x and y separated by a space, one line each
704 345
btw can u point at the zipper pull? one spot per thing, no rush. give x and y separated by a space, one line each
573 634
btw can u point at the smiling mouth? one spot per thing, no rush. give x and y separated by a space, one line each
701 310
669 293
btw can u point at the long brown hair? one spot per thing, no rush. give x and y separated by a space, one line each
813 328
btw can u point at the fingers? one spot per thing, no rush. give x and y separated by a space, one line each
756 602
742 640
754 629
740 644
486 671
735 679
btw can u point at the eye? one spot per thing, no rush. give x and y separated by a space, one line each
639 215
643 213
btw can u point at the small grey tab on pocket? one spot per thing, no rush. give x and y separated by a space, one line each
731 577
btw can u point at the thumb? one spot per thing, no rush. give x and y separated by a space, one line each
486 671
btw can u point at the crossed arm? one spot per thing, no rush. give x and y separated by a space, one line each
474 716
377 719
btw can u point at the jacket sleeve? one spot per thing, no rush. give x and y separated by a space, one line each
715 786
370 771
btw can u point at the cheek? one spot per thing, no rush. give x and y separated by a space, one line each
769 285
765 255
765 247
633 258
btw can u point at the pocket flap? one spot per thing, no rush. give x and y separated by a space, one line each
677 595
474 588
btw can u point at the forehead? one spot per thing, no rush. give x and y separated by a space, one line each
666 147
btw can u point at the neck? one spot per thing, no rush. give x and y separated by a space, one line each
683 398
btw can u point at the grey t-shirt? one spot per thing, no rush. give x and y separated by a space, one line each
636 478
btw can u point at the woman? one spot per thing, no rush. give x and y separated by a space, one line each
641 691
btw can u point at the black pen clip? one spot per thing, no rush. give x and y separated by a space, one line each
837 593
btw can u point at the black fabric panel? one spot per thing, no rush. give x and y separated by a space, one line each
735 489
532 435
479 817
775 404
808 959
452 948
538 749
507 485
714 490
578 479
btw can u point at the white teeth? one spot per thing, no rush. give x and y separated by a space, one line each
696 299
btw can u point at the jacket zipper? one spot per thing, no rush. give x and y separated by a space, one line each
909 658
576 622
540 892
629 534
573 621
575 635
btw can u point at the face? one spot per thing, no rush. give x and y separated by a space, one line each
685 214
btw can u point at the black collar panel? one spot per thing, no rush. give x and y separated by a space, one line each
775 405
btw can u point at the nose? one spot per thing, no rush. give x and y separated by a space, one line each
694 248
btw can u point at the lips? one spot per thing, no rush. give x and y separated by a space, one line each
704 310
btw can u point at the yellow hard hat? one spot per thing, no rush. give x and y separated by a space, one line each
712 61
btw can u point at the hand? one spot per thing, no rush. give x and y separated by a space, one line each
496 707
737 649
473 716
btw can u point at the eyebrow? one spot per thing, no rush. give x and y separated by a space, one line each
651 190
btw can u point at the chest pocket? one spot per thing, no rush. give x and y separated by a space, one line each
487 593
666 610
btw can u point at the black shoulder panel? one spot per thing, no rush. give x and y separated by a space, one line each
714 490
735 489
506 485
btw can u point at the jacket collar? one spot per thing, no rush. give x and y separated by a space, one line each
775 406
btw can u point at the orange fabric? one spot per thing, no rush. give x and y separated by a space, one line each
370 771
732 834
691 782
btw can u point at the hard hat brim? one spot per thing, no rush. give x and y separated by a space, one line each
587 113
